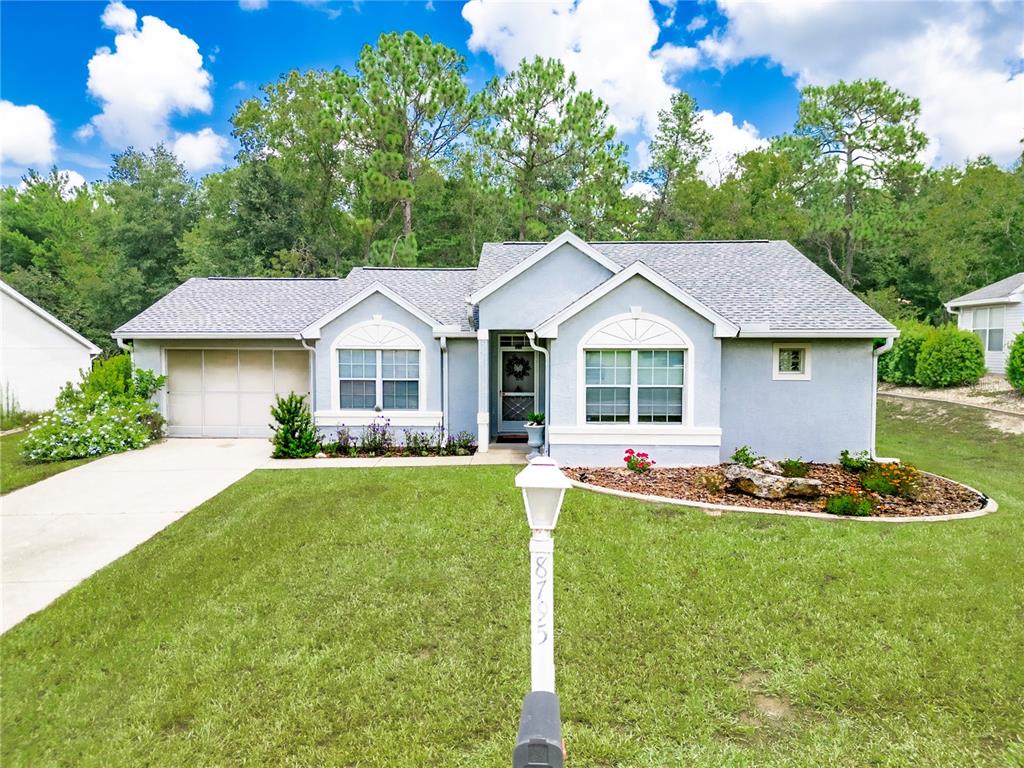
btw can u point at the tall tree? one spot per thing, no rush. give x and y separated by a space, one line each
405 108
552 147
862 146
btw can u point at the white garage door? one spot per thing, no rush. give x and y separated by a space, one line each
229 392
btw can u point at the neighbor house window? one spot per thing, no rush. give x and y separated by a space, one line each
382 379
791 361
634 386
988 324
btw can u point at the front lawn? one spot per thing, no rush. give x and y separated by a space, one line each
379 618
16 473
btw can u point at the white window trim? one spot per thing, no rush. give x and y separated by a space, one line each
671 338
972 315
355 337
804 375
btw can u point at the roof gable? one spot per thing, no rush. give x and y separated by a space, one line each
312 331
723 326
1009 289
566 238
46 316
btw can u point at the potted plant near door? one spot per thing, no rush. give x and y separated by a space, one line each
535 431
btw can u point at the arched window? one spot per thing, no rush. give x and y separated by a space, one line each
635 368
381 367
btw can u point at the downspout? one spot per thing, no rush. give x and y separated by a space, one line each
875 354
444 388
312 374
531 337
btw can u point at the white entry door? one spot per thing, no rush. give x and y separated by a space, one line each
518 395
229 392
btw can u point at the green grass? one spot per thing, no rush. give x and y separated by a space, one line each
16 473
379 618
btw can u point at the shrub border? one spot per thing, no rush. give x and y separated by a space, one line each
716 509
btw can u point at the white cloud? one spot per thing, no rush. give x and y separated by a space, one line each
697 23
85 132
252 5
727 141
26 135
200 150
119 17
612 52
152 73
677 58
962 60
241 85
641 189
70 182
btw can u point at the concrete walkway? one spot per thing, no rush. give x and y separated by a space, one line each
65 528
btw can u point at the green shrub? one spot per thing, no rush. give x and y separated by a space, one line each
793 467
377 438
745 455
899 364
855 462
856 503
535 418
423 443
893 480
950 357
295 435
1015 363
460 444
79 429
108 411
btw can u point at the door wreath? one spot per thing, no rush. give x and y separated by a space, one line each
517 367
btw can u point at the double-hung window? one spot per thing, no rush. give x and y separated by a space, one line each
987 322
634 386
379 379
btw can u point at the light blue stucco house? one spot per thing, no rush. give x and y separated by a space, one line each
685 349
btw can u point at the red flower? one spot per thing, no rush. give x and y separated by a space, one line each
642 455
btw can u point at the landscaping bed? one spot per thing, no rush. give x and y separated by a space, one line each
935 495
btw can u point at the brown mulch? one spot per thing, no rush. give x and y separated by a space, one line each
937 496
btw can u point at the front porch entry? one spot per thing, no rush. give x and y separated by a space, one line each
517 379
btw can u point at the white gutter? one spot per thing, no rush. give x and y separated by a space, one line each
444 388
312 373
531 337
875 354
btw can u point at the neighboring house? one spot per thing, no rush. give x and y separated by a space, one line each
996 314
38 353
688 349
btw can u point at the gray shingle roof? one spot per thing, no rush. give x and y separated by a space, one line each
1001 289
756 281
751 281
285 306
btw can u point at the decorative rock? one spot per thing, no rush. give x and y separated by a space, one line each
766 486
768 466
321 455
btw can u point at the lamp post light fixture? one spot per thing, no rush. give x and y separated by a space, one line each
540 732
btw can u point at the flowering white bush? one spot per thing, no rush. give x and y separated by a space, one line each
78 430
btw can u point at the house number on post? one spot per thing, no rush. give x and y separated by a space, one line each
542 612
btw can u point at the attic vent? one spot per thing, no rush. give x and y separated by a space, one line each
513 340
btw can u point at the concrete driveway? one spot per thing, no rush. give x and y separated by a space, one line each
61 530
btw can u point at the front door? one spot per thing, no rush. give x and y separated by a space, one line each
518 395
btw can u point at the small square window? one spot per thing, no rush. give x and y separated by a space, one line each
791 362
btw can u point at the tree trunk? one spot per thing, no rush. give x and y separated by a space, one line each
406 217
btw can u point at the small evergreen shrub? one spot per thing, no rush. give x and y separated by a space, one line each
893 480
793 467
899 364
854 503
377 439
745 455
295 435
1015 363
855 462
950 357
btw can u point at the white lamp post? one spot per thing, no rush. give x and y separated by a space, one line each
540 740
543 487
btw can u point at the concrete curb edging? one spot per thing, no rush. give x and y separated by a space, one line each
716 509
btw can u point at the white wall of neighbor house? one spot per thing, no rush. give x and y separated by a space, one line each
554 282
1009 318
813 419
696 441
36 357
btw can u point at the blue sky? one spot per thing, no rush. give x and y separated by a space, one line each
175 71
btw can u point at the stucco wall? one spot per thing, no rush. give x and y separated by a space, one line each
36 357
705 354
555 281
812 419
462 398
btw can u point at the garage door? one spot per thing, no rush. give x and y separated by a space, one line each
229 392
